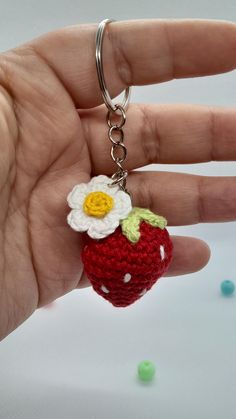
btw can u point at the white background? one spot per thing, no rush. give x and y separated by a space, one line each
78 359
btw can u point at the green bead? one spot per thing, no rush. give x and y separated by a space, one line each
146 370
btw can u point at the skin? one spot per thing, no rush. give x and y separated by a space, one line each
47 146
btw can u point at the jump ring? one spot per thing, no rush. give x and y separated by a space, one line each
123 117
118 177
99 64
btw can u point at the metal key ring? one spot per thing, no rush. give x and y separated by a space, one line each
99 64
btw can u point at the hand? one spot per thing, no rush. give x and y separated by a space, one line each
47 146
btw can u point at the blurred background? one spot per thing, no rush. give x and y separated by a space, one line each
78 358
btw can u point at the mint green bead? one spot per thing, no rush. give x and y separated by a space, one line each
227 287
146 370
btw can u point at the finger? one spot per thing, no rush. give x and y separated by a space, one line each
184 199
189 255
136 53
163 134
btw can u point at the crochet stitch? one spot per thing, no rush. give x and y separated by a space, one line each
130 225
98 204
121 271
97 208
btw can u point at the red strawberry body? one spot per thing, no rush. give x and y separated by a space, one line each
122 271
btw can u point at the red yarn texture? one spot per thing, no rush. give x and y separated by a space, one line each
108 260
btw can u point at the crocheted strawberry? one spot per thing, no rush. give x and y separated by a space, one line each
124 265
126 249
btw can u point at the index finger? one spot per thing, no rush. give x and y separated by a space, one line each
137 52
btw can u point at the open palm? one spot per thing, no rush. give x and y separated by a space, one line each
47 146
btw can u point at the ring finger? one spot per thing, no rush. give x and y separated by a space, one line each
184 199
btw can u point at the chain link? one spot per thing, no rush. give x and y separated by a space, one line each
118 148
116 141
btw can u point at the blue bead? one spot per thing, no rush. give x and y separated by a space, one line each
227 287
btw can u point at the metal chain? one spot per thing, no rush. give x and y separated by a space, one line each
118 148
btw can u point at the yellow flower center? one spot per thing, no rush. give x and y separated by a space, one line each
98 204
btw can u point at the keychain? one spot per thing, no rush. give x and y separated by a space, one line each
126 248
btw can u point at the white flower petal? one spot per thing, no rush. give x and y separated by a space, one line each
102 183
96 187
99 230
94 234
77 195
119 214
113 189
122 206
123 196
124 213
108 190
100 179
78 220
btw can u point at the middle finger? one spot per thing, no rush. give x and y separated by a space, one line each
163 134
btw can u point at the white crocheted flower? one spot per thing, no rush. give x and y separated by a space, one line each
97 208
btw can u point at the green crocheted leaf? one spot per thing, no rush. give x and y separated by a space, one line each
130 225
